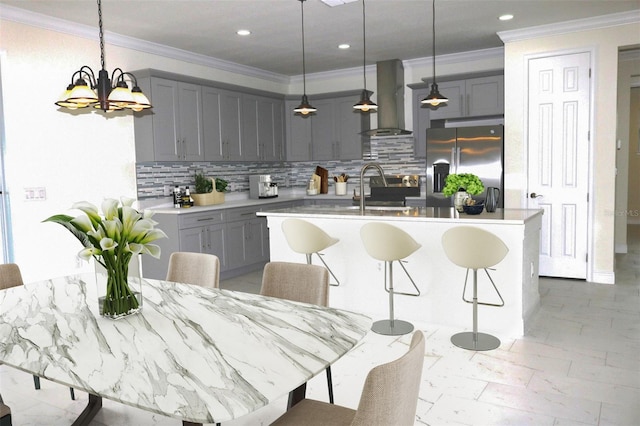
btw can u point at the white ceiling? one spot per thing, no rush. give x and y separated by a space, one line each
396 29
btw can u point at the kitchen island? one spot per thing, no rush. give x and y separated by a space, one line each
440 281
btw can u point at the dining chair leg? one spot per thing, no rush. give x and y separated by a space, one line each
330 384
36 382
73 394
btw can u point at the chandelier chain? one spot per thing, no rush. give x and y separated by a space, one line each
101 35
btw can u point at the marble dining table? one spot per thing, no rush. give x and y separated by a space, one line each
199 355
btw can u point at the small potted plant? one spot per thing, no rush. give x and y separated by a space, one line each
462 185
209 190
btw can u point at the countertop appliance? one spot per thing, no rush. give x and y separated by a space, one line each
261 186
477 150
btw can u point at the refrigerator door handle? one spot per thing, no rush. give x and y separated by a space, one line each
458 158
454 165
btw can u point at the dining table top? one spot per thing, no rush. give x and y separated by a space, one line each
200 355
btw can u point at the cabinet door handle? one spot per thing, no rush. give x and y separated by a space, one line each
204 219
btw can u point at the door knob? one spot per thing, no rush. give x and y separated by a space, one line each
534 195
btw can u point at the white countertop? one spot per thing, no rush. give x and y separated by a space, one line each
430 214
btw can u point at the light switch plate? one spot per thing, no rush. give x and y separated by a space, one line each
35 194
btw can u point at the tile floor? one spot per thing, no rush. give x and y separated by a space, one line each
578 365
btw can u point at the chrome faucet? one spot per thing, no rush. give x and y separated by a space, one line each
364 168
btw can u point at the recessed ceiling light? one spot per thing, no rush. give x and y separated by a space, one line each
243 32
344 46
505 17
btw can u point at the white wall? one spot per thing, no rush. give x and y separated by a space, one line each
604 43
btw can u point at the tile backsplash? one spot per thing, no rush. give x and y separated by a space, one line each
157 179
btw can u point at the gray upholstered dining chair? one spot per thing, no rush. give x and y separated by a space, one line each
389 396
194 268
298 282
10 276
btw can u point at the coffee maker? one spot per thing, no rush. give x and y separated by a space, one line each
261 186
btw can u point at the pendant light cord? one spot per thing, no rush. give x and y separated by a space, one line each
304 69
433 27
101 34
364 47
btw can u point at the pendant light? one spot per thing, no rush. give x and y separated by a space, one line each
434 99
85 90
365 104
305 107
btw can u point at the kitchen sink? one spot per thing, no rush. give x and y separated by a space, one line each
382 208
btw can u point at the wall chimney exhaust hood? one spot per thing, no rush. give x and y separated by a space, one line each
390 80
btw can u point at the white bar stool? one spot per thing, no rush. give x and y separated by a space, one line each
388 243
305 237
474 248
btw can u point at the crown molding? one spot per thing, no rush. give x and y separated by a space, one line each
39 20
596 22
457 58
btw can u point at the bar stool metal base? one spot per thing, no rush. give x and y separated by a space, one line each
483 342
392 328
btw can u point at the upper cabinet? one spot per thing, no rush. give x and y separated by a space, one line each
202 122
331 133
173 129
473 97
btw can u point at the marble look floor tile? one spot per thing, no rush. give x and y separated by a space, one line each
617 415
534 347
585 389
606 374
527 360
552 404
459 411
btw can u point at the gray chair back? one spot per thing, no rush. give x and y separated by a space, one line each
298 282
390 393
194 268
10 276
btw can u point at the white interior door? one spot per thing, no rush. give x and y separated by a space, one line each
558 176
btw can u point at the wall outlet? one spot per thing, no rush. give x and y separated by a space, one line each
168 191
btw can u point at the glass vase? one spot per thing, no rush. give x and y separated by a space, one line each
119 286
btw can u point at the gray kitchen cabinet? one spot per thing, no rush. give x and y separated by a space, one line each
244 238
212 126
270 129
474 97
323 139
205 239
332 133
173 130
421 121
298 133
249 133
230 124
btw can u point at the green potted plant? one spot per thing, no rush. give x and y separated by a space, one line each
462 185
209 190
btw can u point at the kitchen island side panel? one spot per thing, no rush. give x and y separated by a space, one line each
440 281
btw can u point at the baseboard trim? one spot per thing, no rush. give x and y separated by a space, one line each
603 278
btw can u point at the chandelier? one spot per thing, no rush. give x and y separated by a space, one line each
104 93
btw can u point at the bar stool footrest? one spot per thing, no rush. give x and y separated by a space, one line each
479 342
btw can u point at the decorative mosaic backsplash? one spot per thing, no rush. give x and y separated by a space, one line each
394 153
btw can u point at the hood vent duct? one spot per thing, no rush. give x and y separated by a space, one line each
390 80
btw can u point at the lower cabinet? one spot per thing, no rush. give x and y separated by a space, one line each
237 236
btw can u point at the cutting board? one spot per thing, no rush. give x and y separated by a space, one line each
324 179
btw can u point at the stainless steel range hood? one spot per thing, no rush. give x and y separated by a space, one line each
390 79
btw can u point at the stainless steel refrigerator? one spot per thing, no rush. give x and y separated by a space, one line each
476 150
